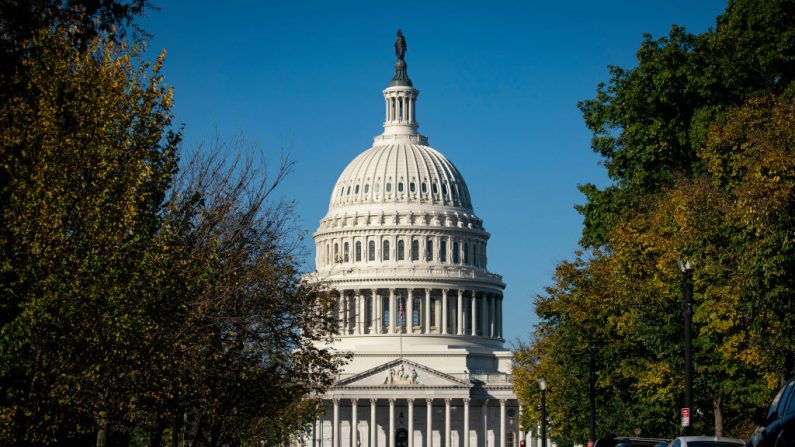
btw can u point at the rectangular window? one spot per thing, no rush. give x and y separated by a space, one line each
415 250
443 251
429 249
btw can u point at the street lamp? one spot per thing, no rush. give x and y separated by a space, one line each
543 385
591 394
687 313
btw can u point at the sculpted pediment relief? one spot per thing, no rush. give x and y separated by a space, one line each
402 373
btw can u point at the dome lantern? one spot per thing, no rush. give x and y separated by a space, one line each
401 99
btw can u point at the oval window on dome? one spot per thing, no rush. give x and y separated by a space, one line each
435 188
444 189
389 187
349 190
400 186
356 189
424 187
366 188
376 187
412 187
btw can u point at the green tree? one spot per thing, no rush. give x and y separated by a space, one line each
649 121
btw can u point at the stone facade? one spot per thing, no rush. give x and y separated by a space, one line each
406 256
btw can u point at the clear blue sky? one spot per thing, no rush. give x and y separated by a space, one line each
499 83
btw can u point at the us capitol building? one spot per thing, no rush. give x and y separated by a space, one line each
406 255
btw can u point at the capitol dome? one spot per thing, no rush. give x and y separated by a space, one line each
405 257
400 172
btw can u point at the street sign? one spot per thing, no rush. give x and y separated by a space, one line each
685 417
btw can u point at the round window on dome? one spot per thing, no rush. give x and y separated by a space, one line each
412 187
400 186
389 187
424 187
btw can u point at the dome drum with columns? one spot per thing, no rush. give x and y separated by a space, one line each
406 256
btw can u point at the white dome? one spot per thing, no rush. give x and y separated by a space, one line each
400 173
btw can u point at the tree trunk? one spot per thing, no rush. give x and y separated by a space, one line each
718 417
156 436
102 433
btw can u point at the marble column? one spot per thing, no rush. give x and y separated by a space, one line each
502 422
460 313
373 424
314 434
473 312
427 316
491 316
444 313
484 314
374 320
409 312
356 317
484 421
466 423
355 422
391 440
410 404
341 311
429 423
335 429
447 422
392 311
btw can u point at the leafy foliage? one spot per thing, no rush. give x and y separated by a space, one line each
698 139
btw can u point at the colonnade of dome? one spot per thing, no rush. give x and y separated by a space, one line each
419 311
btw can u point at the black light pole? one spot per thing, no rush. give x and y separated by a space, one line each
592 394
687 313
543 385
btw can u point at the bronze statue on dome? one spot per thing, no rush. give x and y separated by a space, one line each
400 45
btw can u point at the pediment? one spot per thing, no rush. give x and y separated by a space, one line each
402 373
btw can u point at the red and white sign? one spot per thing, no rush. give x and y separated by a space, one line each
685 417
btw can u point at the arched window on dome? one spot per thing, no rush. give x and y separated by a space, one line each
356 189
412 187
385 250
371 251
346 250
336 252
466 253
366 188
444 189
388 187
424 188
358 251
456 254
435 188
349 190
429 249
401 250
400 186
443 250
415 250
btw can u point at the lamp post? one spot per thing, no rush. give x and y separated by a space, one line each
543 385
687 313
591 395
